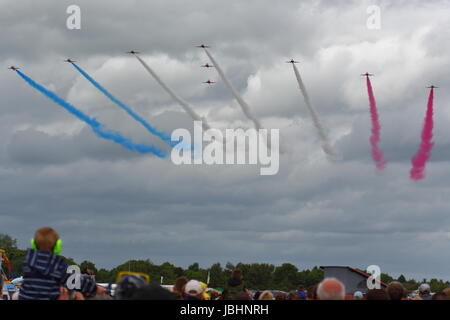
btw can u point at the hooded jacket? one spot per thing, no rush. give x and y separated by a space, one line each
43 274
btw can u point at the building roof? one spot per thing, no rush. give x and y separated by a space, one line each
358 271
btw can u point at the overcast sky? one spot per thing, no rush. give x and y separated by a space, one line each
110 204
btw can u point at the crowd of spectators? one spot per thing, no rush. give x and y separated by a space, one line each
46 278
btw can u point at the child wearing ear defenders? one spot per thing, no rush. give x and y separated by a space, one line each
44 271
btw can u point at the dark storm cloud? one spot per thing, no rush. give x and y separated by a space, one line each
110 204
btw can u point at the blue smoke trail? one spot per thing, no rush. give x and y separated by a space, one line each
96 126
135 116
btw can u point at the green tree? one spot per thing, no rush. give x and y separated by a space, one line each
167 270
218 278
7 242
258 276
285 277
88 265
438 285
179 272
195 272
386 278
104 275
194 267
310 277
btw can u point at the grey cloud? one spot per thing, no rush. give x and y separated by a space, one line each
110 204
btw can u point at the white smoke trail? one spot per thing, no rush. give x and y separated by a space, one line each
325 143
180 101
244 106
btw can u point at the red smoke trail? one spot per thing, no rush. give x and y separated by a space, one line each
423 154
377 154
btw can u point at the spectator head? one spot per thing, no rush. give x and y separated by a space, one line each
312 292
377 294
395 290
301 288
45 239
424 288
241 296
331 289
266 295
280 296
127 285
152 291
178 287
292 296
237 274
256 295
447 292
440 296
194 289
358 295
87 271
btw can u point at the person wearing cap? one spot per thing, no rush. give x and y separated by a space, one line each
358 295
424 291
128 285
193 290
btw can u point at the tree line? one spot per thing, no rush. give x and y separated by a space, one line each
257 276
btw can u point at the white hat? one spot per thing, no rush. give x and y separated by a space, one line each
358 295
193 288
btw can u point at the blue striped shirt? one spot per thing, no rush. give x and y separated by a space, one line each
43 274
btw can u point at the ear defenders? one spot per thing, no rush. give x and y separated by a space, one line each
56 249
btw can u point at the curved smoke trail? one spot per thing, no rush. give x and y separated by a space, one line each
166 138
96 126
325 143
172 94
377 154
419 161
244 106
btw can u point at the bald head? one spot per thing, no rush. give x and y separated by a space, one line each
331 289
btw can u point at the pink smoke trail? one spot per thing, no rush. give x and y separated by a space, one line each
419 161
377 154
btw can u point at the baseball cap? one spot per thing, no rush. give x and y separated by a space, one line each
358 295
128 284
193 288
